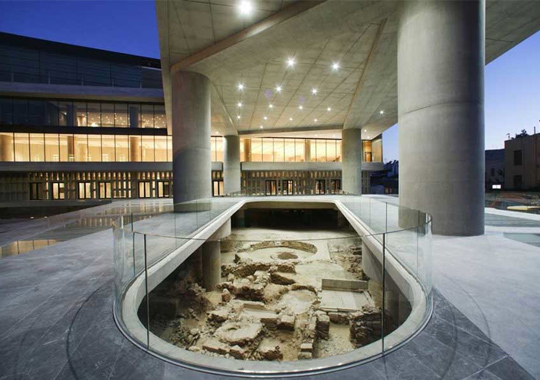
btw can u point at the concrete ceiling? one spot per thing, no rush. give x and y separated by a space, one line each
210 37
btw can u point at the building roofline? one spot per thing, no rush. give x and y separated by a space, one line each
82 51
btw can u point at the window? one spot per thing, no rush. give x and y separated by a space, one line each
518 182
94 148
148 148
107 148
161 148
217 188
121 115
159 116
164 189
37 147
147 116
22 147
6 147
85 190
320 186
335 185
270 187
36 190
94 114
145 189
79 108
58 190
107 114
6 111
105 190
518 157
287 187
52 148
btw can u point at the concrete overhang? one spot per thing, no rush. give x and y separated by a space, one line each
212 39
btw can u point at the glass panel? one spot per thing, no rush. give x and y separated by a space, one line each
161 148
51 112
331 150
63 113
122 148
300 147
37 147
313 150
169 148
133 114
6 111
107 114
94 148
80 114
256 149
338 151
94 115
6 147
159 116
147 116
148 149
134 149
20 111
267 150
107 148
321 150
36 112
219 149
66 148
279 154
366 148
121 115
22 147
52 148
377 150
80 145
289 150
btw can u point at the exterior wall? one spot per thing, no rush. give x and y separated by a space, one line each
527 172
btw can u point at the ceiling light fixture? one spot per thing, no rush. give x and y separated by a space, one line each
262 127
329 109
245 8
240 86
381 112
290 119
270 106
365 130
290 62
315 120
335 66
239 104
238 117
300 107
265 118
314 91
278 88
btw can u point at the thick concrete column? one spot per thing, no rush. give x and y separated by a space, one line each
231 164
192 165
211 264
351 146
441 112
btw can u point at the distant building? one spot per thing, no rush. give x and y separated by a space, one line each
494 174
521 163
386 181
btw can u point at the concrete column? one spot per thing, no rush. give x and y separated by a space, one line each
134 116
211 264
441 112
197 262
192 165
352 160
231 164
247 150
6 147
134 148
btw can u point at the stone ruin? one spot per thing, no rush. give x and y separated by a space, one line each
268 310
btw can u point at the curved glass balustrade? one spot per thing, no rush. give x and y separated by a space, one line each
369 278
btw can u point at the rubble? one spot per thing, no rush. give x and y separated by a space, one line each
236 333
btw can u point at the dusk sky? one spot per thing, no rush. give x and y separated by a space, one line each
512 81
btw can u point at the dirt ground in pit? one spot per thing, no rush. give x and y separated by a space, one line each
269 296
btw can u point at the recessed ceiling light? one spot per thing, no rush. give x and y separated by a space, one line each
329 109
270 106
335 65
265 118
262 127
238 117
300 107
381 112
365 130
239 104
278 88
240 86
315 120
245 7
290 119
314 91
290 62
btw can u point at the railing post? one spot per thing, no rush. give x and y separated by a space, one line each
147 298
383 314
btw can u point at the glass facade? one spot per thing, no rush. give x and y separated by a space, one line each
68 113
372 150
277 149
39 65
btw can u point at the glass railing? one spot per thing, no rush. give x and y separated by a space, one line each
206 285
